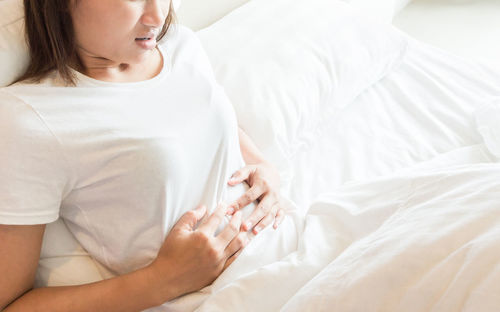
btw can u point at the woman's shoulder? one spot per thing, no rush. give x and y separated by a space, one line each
12 106
184 47
18 118
9 98
181 43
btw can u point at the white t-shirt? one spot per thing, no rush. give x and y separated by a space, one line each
120 162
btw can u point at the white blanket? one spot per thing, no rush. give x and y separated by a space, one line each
427 242
420 241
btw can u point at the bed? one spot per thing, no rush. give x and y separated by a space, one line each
392 176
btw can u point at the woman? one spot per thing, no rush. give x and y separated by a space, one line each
122 137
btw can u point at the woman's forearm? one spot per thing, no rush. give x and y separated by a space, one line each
135 291
250 152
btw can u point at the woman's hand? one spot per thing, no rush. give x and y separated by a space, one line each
190 258
264 181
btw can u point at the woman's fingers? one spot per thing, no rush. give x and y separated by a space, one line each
231 230
189 220
241 175
250 195
210 225
260 212
267 220
232 258
280 216
236 245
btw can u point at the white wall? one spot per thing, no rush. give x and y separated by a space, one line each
469 28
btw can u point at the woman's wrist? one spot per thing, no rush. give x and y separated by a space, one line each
161 287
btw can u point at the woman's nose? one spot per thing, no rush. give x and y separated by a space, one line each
155 12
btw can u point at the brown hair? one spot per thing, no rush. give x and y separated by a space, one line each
51 40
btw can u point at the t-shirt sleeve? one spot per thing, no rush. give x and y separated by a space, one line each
33 171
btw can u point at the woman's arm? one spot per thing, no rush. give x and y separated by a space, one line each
249 150
19 255
130 292
188 260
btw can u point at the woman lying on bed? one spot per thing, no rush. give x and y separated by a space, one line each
128 139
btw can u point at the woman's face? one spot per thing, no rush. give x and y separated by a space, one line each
122 31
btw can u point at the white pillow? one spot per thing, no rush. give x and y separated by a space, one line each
13 50
288 65
14 55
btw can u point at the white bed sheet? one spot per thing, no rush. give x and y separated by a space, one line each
419 235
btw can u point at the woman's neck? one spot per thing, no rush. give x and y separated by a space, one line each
107 70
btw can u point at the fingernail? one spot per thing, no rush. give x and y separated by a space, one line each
248 225
230 211
258 229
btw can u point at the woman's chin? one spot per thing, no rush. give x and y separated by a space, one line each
141 57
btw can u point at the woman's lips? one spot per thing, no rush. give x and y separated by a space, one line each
147 43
